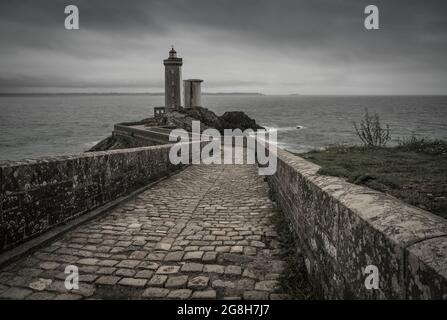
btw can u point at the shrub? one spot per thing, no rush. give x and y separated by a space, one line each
423 145
370 131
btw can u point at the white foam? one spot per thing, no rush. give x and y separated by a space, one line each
284 129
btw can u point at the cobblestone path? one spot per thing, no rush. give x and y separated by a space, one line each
203 233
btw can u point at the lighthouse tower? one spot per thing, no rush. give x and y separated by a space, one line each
173 77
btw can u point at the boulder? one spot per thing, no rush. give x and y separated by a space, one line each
183 118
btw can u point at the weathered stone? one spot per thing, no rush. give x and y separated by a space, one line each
176 281
235 258
157 280
255 295
245 284
105 271
88 278
162 246
223 284
107 263
88 261
15 293
269 285
192 267
250 273
168 269
125 272
132 282
49 265
198 283
40 284
156 256
258 244
145 274
214 268
41 296
150 265
209 257
107 280
206 295
174 256
233 270
279 296
237 249
128 264
193 255
272 276
68 296
138 255
180 294
155 293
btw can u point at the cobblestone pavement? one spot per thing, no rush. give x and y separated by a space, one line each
204 233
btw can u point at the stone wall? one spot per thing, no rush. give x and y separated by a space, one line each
342 228
39 194
142 135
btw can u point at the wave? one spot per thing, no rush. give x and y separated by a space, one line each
284 129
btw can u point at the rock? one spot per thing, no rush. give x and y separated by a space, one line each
233 270
199 282
182 119
214 268
157 280
40 284
255 295
181 294
167 269
132 282
207 295
237 120
269 285
176 282
15 293
107 280
155 293
192 267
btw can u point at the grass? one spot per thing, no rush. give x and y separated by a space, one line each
294 279
415 171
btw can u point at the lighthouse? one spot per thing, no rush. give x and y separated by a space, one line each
173 78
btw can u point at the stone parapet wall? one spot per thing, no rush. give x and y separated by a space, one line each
343 228
141 135
37 195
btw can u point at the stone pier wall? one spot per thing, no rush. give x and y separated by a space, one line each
342 228
39 194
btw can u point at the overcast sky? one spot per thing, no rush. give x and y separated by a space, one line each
274 47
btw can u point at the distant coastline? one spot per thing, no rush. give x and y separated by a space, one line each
124 94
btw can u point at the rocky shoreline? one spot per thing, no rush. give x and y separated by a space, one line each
182 119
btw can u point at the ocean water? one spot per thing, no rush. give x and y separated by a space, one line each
43 125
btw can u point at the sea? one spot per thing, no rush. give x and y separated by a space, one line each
35 126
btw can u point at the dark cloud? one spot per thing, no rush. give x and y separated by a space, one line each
276 46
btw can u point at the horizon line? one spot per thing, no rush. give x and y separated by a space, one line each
217 93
